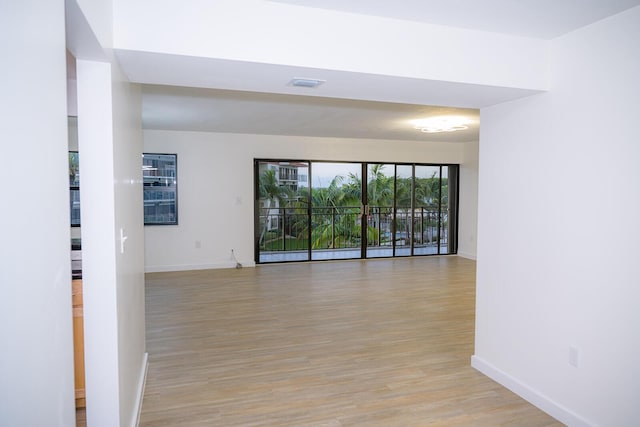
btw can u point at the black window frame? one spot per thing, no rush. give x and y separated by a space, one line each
74 187
447 217
161 185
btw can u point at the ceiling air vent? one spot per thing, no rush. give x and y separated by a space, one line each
300 82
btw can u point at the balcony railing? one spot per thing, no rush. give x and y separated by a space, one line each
287 229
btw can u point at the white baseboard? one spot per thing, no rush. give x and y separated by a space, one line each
529 394
467 255
187 267
140 395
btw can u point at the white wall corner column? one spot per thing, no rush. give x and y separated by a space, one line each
95 143
557 277
468 209
110 148
36 356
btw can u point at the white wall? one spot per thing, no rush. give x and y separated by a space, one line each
127 179
275 33
110 148
36 356
97 216
215 188
468 209
558 232
99 15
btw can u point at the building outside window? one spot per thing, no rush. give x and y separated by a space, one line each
159 172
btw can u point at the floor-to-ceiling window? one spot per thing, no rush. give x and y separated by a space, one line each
336 204
379 208
313 210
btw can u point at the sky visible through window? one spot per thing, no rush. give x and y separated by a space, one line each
323 172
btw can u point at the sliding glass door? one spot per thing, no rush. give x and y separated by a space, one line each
282 224
379 208
336 194
427 216
325 210
404 195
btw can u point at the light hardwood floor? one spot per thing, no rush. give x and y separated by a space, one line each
354 343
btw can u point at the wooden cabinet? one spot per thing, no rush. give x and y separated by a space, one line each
78 341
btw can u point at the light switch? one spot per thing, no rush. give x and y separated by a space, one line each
123 239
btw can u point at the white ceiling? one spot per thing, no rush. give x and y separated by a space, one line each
544 19
346 113
178 108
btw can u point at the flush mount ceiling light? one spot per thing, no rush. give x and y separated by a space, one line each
442 124
304 82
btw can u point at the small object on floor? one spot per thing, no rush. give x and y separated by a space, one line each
233 257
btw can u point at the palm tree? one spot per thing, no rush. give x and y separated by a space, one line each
379 187
330 196
432 197
271 192
379 198
334 219
331 219
353 190
428 191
